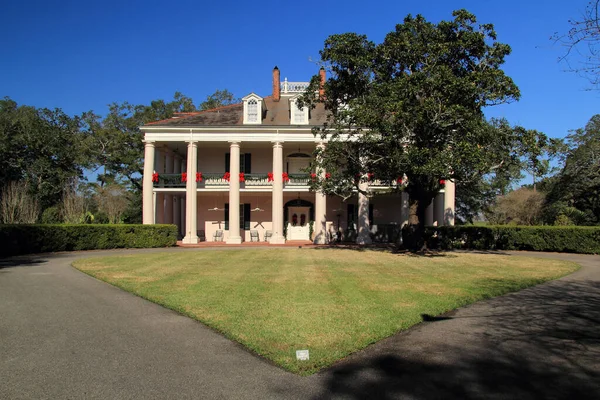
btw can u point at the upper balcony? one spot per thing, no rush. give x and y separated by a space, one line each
259 181
216 181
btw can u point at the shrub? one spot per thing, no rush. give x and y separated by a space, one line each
24 239
571 239
51 215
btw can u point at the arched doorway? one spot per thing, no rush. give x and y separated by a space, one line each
297 216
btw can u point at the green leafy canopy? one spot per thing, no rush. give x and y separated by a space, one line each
412 106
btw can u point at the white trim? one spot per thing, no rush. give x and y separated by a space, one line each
229 137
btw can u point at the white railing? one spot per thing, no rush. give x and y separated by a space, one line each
293 87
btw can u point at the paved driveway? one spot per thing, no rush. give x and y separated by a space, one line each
64 334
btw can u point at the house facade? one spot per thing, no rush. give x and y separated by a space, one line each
240 173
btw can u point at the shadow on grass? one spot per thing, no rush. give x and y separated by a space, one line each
540 343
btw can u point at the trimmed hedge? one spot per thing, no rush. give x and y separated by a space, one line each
571 239
42 238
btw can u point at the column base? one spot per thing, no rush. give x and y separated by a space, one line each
277 239
234 240
190 239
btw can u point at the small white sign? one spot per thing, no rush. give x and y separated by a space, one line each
302 355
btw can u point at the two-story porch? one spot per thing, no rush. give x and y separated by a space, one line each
243 172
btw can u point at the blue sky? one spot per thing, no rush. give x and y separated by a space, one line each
83 55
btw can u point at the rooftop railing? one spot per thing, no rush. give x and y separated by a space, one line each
293 87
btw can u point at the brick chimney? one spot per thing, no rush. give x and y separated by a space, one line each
276 84
323 76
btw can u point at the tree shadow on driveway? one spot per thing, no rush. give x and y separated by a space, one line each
540 343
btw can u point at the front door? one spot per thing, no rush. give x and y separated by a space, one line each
298 227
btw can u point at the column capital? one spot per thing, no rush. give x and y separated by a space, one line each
149 143
277 142
192 142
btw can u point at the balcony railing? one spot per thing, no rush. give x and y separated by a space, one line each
250 180
298 180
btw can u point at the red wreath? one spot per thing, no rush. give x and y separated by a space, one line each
399 181
442 182
270 177
370 176
184 177
198 176
155 177
285 177
313 176
242 177
227 176
327 175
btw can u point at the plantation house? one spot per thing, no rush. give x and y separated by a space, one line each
239 173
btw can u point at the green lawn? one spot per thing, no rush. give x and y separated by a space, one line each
331 302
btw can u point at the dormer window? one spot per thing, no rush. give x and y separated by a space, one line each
298 116
252 109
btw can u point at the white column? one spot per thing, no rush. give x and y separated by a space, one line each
169 197
160 197
320 227
176 198
234 194
191 210
429 214
438 210
147 185
277 216
449 202
363 236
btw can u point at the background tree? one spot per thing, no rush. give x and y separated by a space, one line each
219 98
17 206
413 106
575 190
40 148
519 207
582 43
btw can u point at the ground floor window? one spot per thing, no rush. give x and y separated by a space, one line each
244 216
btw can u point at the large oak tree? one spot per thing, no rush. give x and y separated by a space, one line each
412 106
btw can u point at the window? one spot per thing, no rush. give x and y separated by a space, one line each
253 107
298 116
252 111
245 162
244 216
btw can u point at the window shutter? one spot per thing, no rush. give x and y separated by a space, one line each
370 214
246 217
247 163
227 161
226 217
